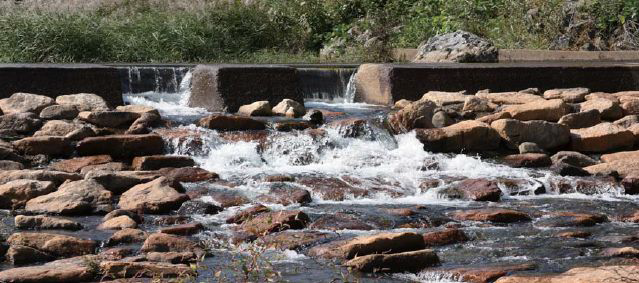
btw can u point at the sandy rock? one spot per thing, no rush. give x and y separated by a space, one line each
54 244
509 98
231 123
621 252
45 222
529 147
122 145
73 198
127 236
157 162
76 164
15 194
53 146
20 122
258 108
118 223
546 110
418 114
463 136
609 110
188 174
288 105
109 166
83 101
398 262
445 237
545 134
623 167
627 121
172 257
602 95
487 274
40 175
59 112
59 128
157 196
25 102
601 138
275 221
581 120
489 119
569 95
109 119
620 156
10 165
442 98
630 107
491 215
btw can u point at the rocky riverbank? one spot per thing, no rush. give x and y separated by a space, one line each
92 192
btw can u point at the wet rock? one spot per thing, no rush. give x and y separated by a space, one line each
59 112
40 175
601 138
156 162
573 158
127 236
475 189
463 136
172 257
418 114
496 215
15 194
528 160
571 219
188 174
610 110
120 269
76 164
73 198
529 147
546 110
391 263
564 169
229 199
279 178
569 95
581 120
631 184
574 234
54 244
46 222
545 134
122 145
459 46
246 214
400 211
290 108
21 255
198 207
118 182
314 116
288 126
352 128
445 237
294 240
624 273
510 98
81 133
20 123
441 119
25 102
382 243
340 221
157 196
621 252
275 221
120 212
331 188
144 123
286 195
487 273
83 101
59 271
258 108
51 146
183 229
115 253
160 242
10 165
118 223
231 123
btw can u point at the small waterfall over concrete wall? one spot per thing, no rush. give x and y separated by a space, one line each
158 79
326 84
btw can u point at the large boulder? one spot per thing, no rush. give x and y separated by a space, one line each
25 102
545 134
463 136
416 115
215 87
601 138
475 189
547 110
122 145
459 47
59 128
15 194
118 182
231 123
573 158
258 108
289 108
367 245
412 261
615 273
581 120
73 198
76 164
54 244
83 101
610 110
66 270
160 242
275 221
157 196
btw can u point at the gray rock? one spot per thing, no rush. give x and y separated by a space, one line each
573 158
25 102
59 112
314 116
441 119
83 101
459 46
20 122
581 120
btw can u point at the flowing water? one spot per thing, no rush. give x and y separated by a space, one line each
379 171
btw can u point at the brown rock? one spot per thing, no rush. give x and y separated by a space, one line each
122 145
382 243
25 102
45 222
574 234
630 107
59 128
621 252
15 194
573 158
623 168
231 123
631 183
286 195
157 162
475 189
54 244
463 136
39 175
157 196
65 270
545 134
489 119
340 221
184 229
83 101
528 160
546 110
415 115
442 98
20 255
109 119
76 164
72 198
10 165
118 182
172 257
20 122
109 166
120 269
229 199
510 97
616 274
246 214
331 188
54 146
398 262
446 237
601 138
275 221
62 112
118 223
126 236
160 242
488 273
610 110
580 120
491 215
571 219
294 240
188 174
569 95
632 155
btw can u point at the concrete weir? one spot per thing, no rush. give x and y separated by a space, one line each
386 83
227 87
59 79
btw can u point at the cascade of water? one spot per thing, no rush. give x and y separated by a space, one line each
349 96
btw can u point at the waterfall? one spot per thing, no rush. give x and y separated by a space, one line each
323 84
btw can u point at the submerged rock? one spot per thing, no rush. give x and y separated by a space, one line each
446 237
496 215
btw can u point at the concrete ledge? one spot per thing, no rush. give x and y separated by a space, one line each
386 83
57 79
527 55
227 87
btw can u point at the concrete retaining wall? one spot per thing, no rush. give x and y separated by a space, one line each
56 79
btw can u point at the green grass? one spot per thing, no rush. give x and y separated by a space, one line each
282 31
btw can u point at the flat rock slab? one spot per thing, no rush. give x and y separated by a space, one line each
122 145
